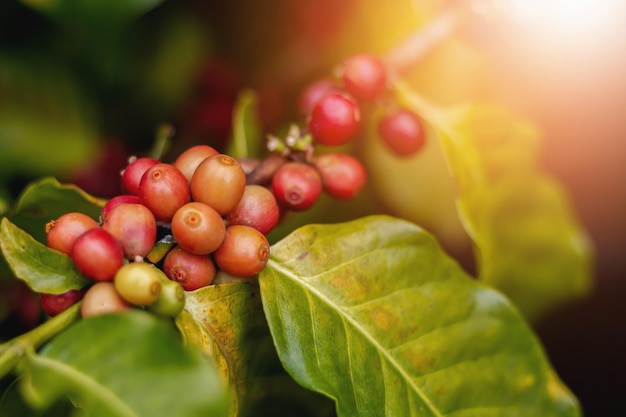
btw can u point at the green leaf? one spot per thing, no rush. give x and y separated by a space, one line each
47 199
124 365
246 127
43 269
226 322
530 244
375 315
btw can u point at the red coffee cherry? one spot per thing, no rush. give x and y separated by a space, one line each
102 298
164 189
131 175
402 131
189 270
63 232
198 228
244 253
334 120
219 181
54 304
296 186
343 176
97 254
364 76
188 161
134 226
257 208
116 201
314 92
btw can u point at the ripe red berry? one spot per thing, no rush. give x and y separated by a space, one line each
189 270
296 186
188 161
343 176
257 208
198 228
97 254
63 232
164 189
134 226
334 120
131 175
402 131
219 181
364 76
244 253
314 92
53 304
116 201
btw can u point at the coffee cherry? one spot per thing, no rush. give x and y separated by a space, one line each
171 300
219 181
343 176
244 253
97 254
402 131
54 304
189 270
314 92
164 189
131 175
334 120
63 232
257 208
188 161
296 186
364 76
116 201
102 298
138 283
134 226
198 228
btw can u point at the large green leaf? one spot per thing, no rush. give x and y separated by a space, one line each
375 315
124 365
530 244
43 269
227 322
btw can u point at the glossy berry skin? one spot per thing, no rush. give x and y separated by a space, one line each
171 300
402 131
102 298
134 226
343 176
198 228
257 208
139 283
188 161
314 92
334 120
364 76
63 232
116 201
164 189
244 253
189 270
97 255
54 304
132 174
219 181
296 186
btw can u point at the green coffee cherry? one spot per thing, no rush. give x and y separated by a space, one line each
171 300
139 283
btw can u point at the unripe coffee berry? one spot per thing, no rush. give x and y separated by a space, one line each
244 253
188 161
97 254
343 176
296 186
219 181
132 174
138 283
198 228
257 208
164 189
63 232
189 270
134 226
102 298
171 300
334 120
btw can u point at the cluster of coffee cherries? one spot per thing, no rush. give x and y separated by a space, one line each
333 107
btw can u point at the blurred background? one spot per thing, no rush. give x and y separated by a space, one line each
84 86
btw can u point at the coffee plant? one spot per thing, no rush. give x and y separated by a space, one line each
272 271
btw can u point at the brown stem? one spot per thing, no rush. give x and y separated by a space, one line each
263 173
